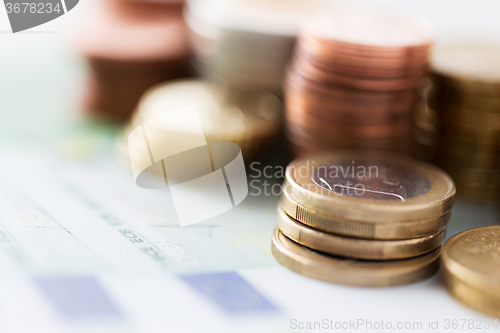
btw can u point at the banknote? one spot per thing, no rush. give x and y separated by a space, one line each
83 249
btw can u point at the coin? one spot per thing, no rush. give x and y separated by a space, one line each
249 118
329 77
475 117
479 192
461 100
355 247
119 41
341 270
469 133
361 229
471 262
349 84
472 297
370 187
464 175
454 143
246 43
472 68
466 98
226 113
364 31
299 138
466 158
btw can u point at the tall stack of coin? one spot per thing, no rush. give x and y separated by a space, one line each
129 47
245 43
248 118
471 265
361 218
353 80
463 118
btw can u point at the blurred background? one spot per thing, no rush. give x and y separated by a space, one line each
74 83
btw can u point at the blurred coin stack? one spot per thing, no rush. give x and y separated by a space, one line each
460 129
471 267
353 81
130 46
361 218
245 43
245 117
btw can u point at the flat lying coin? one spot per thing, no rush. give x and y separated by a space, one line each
355 247
473 297
471 261
370 187
352 272
247 117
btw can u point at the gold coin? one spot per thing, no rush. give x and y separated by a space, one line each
472 134
360 229
479 192
370 187
461 86
224 112
446 143
472 297
469 117
466 158
248 118
472 258
341 270
473 68
463 175
467 102
355 247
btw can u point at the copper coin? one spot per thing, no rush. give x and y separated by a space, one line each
151 32
362 66
335 93
373 32
332 78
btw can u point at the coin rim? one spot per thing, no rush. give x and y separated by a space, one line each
357 248
367 230
471 296
432 204
460 271
353 272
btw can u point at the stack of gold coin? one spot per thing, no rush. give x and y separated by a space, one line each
471 266
248 118
361 218
245 43
463 118
130 46
353 79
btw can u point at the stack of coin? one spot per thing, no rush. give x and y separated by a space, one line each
245 43
463 118
361 218
353 80
129 47
248 118
471 266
